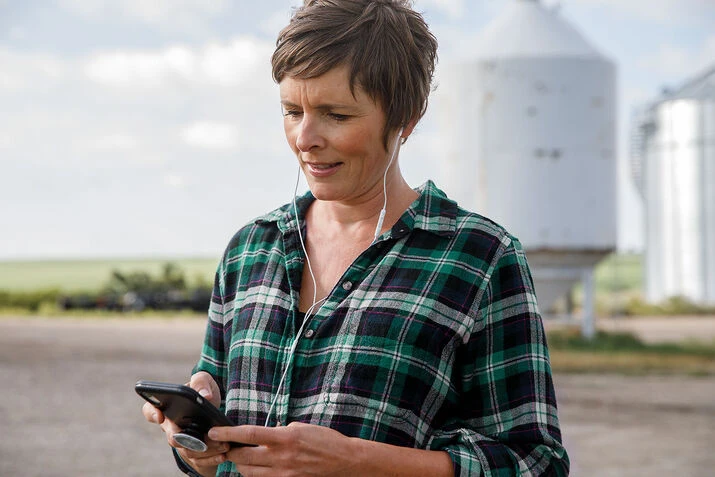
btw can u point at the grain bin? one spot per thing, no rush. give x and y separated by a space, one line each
673 157
529 119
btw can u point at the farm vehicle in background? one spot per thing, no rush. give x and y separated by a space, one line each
138 291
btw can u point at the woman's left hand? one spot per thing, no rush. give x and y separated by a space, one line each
296 449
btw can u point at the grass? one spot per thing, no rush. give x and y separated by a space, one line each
90 275
618 280
616 273
625 354
619 273
629 363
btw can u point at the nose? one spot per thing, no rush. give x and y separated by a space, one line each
308 135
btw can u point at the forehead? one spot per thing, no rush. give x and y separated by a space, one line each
331 87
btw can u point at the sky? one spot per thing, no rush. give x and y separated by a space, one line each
135 128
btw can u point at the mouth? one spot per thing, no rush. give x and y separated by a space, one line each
322 169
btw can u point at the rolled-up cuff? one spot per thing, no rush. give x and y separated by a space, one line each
183 466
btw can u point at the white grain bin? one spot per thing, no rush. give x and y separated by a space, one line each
674 166
530 123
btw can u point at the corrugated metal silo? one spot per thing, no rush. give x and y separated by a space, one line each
531 124
674 166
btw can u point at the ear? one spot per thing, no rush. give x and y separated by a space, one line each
407 130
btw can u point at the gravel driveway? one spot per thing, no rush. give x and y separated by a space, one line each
67 406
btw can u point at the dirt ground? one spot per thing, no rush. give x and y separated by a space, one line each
67 405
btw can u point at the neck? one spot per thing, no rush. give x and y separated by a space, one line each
360 218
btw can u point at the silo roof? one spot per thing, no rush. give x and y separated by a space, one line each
528 29
700 87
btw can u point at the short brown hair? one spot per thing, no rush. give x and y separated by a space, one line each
387 46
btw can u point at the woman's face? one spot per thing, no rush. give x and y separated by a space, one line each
336 136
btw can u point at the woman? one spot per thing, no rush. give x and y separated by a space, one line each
369 328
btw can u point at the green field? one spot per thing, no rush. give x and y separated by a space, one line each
616 275
91 275
619 273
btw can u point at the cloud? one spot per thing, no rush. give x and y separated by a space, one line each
21 71
17 33
660 11
167 15
6 141
452 8
174 181
275 22
146 69
114 141
234 62
210 135
215 63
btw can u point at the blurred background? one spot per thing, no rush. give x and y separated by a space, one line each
136 137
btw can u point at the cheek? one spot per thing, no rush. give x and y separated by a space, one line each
290 135
362 142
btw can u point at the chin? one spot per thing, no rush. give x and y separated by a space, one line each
324 191
321 194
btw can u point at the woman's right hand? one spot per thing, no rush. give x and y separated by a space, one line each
204 463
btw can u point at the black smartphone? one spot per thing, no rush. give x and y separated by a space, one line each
187 408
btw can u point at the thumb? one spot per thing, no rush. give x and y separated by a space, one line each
206 386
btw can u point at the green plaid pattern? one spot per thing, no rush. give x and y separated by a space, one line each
432 339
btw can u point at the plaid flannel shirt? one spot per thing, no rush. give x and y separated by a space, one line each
431 339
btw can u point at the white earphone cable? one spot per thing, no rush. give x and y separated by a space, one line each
317 302
310 310
383 212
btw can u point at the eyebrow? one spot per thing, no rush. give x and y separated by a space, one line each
321 107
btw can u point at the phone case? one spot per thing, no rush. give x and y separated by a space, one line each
187 408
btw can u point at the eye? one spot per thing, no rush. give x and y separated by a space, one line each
339 117
292 113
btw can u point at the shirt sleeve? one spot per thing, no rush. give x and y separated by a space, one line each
213 353
506 422
212 358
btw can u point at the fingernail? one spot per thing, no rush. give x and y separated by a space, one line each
204 392
155 416
213 434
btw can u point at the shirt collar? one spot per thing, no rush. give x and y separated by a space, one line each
432 211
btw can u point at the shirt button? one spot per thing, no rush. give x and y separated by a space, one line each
326 399
347 286
309 333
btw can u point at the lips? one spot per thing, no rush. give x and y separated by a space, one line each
322 169
323 166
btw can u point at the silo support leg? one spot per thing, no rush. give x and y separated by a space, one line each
588 327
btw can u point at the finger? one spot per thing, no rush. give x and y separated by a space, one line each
253 457
205 385
200 460
255 471
209 461
255 435
152 414
214 449
170 428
